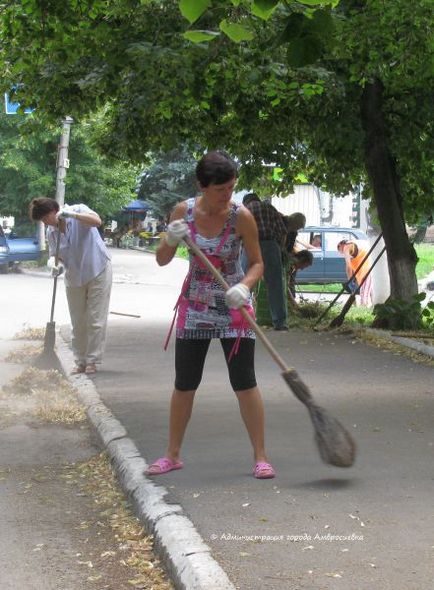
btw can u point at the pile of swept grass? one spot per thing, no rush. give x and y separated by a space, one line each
30 334
53 398
25 354
310 309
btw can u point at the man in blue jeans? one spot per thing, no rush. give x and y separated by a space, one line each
272 237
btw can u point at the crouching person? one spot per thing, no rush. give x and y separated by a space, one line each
296 261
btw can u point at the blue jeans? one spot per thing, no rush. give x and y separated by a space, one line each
272 257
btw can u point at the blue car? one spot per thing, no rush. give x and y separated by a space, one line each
14 249
328 264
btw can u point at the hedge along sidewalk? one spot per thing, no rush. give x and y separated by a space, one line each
181 549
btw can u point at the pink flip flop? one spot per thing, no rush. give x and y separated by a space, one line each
163 465
264 470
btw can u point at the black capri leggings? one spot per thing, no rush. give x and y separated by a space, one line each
190 359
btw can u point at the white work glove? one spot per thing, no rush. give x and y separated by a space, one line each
176 230
64 212
237 296
56 270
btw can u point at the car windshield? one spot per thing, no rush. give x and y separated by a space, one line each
310 240
317 238
332 239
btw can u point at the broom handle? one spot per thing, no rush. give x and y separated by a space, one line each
273 352
338 320
56 262
128 315
348 281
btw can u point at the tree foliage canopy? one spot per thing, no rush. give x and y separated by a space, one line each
169 179
28 159
339 91
289 95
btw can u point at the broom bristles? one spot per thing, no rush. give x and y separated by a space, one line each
50 337
48 358
335 444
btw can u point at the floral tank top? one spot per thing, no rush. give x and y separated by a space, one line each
202 309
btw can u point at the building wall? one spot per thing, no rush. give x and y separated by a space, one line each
321 208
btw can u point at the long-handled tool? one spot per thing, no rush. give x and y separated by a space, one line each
339 319
335 444
353 277
127 315
48 358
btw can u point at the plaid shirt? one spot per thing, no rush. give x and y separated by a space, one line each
269 221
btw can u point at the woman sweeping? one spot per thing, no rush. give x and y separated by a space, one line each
204 311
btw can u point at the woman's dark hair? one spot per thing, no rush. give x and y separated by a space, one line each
41 206
304 257
215 167
250 198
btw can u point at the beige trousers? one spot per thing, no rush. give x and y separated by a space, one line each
88 307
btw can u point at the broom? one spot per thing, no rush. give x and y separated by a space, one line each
347 283
335 444
48 358
339 319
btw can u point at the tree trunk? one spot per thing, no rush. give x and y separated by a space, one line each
420 234
384 181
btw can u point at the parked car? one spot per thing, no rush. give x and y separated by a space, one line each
14 249
328 264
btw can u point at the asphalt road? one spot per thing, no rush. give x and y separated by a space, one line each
313 527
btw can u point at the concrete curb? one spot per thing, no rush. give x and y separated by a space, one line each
421 347
181 549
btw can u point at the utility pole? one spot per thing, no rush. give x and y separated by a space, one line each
62 161
62 165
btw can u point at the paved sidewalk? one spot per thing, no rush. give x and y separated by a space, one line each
314 526
63 520
38 541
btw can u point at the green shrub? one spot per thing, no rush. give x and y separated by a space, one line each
428 315
397 314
